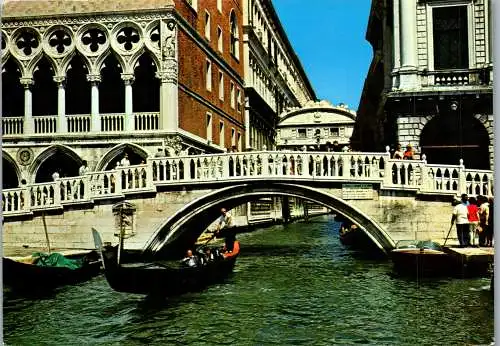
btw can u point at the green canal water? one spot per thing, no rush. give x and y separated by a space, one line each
292 285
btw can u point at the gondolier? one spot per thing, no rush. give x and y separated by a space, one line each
224 228
460 216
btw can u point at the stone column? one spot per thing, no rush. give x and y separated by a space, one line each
396 42
129 123
169 99
408 31
247 122
28 110
95 123
62 126
169 102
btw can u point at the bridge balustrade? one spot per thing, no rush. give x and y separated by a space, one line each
413 175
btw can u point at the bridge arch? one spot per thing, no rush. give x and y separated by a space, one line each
185 226
134 151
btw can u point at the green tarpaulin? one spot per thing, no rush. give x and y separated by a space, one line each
56 259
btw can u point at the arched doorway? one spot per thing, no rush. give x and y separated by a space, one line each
62 162
10 180
449 137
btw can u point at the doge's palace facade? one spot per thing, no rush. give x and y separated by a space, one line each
95 80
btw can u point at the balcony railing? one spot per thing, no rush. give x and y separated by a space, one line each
322 167
45 124
12 125
80 123
456 77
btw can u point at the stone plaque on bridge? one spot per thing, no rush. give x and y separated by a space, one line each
357 191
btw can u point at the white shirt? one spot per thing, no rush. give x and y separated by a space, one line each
225 220
82 170
124 162
461 212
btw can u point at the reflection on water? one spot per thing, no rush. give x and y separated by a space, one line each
293 284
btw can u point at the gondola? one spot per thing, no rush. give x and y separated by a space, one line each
422 259
26 276
162 279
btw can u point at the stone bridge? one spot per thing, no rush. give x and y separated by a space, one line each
176 198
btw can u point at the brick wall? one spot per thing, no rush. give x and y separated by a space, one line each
193 58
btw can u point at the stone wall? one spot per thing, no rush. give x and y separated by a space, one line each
402 214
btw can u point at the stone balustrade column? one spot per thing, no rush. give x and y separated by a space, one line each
462 183
62 126
28 105
95 123
408 45
129 121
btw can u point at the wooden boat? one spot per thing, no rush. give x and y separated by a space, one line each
22 274
162 279
422 258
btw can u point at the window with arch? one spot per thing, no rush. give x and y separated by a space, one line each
234 44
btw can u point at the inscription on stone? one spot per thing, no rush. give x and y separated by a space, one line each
357 191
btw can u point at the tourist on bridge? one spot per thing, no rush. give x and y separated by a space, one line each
83 168
125 161
473 215
398 154
460 216
408 154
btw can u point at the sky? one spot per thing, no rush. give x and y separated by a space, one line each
329 38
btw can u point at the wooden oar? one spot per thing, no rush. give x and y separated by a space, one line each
46 232
451 226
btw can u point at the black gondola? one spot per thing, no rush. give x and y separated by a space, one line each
422 259
31 278
162 279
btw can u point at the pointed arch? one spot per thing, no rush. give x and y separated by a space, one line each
112 87
49 160
12 89
146 87
134 151
44 89
11 174
78 89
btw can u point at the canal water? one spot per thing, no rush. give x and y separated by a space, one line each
292 285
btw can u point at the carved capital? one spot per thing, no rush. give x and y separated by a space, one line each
128 78
169 72
94 78
59 80
26 82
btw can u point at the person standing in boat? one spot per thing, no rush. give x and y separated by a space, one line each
460 216
225 222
